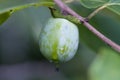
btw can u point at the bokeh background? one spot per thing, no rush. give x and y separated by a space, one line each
21 59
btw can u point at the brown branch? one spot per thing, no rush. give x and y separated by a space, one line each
87 25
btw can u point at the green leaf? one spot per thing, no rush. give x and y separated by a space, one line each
93 3
106 66
113 5
10 6
7 5
115 9
4 17
114 1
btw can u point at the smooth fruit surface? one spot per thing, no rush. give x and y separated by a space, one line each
59 40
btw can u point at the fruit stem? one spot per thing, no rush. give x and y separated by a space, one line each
87 25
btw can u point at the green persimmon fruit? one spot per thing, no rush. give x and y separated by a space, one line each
59 40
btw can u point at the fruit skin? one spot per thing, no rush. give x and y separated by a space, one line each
59 40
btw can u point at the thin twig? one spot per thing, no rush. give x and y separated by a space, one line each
100 8
87 25
68 1
96 11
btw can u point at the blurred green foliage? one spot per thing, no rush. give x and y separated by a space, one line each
106 66
112 5
4 17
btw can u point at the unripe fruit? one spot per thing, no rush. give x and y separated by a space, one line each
59 40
